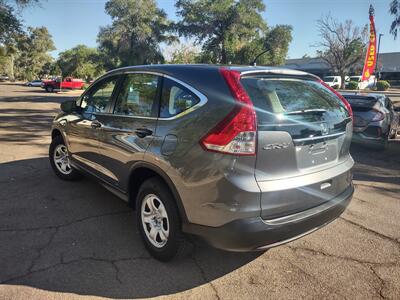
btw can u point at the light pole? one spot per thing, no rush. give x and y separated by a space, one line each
377 57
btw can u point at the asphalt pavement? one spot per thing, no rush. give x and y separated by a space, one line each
70 240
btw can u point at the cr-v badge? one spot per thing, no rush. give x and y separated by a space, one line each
276 146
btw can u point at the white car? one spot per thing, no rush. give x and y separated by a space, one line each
34 83
333 81
361 84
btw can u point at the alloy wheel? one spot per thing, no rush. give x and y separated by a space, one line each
155 220
61 159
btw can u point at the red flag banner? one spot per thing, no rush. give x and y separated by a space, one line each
370 59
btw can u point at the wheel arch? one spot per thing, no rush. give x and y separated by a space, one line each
143 171
55 132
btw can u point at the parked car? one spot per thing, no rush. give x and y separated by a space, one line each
34 83
67 83
375 119
361 84
4 78
246 158
333 81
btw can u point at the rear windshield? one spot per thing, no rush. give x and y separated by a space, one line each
360 101
279 99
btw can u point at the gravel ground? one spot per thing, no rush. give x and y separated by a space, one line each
62 240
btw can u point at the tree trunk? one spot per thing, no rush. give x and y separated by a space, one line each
12 67
223 53
342 76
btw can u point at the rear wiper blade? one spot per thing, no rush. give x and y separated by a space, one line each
296 112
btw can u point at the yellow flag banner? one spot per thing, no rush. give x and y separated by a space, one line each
370 59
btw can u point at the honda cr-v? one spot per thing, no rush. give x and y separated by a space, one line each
245 157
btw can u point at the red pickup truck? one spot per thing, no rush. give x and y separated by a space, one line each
68 83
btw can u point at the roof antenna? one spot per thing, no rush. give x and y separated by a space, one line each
254 62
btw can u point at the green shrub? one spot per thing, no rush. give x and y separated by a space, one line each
352 85
85 86
382 85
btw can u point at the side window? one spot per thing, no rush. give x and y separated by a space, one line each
138 96
176 99
99 96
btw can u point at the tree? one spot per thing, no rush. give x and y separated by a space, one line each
24 3
343 44
10 31
222 27
81 62
184 54
50 68
395 11
32 53
135 34
10 25
276 44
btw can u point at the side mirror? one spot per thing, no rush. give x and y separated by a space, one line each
68 106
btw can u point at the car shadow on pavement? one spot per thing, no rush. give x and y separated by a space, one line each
76 237
376 165
39 99
21 126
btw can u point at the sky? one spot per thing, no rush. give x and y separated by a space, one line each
73 22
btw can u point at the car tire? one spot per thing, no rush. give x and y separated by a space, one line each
165 216
59 160
392 133
30 85
49 89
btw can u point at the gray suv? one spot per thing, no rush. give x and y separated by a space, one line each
246 158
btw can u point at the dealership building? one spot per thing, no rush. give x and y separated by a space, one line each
388 66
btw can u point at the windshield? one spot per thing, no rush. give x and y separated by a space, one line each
329 78
355 78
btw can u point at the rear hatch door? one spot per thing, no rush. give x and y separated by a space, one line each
303 129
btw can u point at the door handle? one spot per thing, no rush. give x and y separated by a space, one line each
95 124
143 132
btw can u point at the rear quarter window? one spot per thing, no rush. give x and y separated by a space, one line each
279 99
175 99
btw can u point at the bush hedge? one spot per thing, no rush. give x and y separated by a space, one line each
352 85
382 85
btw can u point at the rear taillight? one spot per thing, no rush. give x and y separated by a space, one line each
236 133
378 116
345 102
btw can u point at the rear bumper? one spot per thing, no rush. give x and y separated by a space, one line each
373 142
258 234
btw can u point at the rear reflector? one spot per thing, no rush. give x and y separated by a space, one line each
236 133
345 102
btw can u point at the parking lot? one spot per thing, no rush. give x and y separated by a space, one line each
67 240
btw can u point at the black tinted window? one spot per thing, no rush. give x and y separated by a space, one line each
279 98
138 95
99 96
176 99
